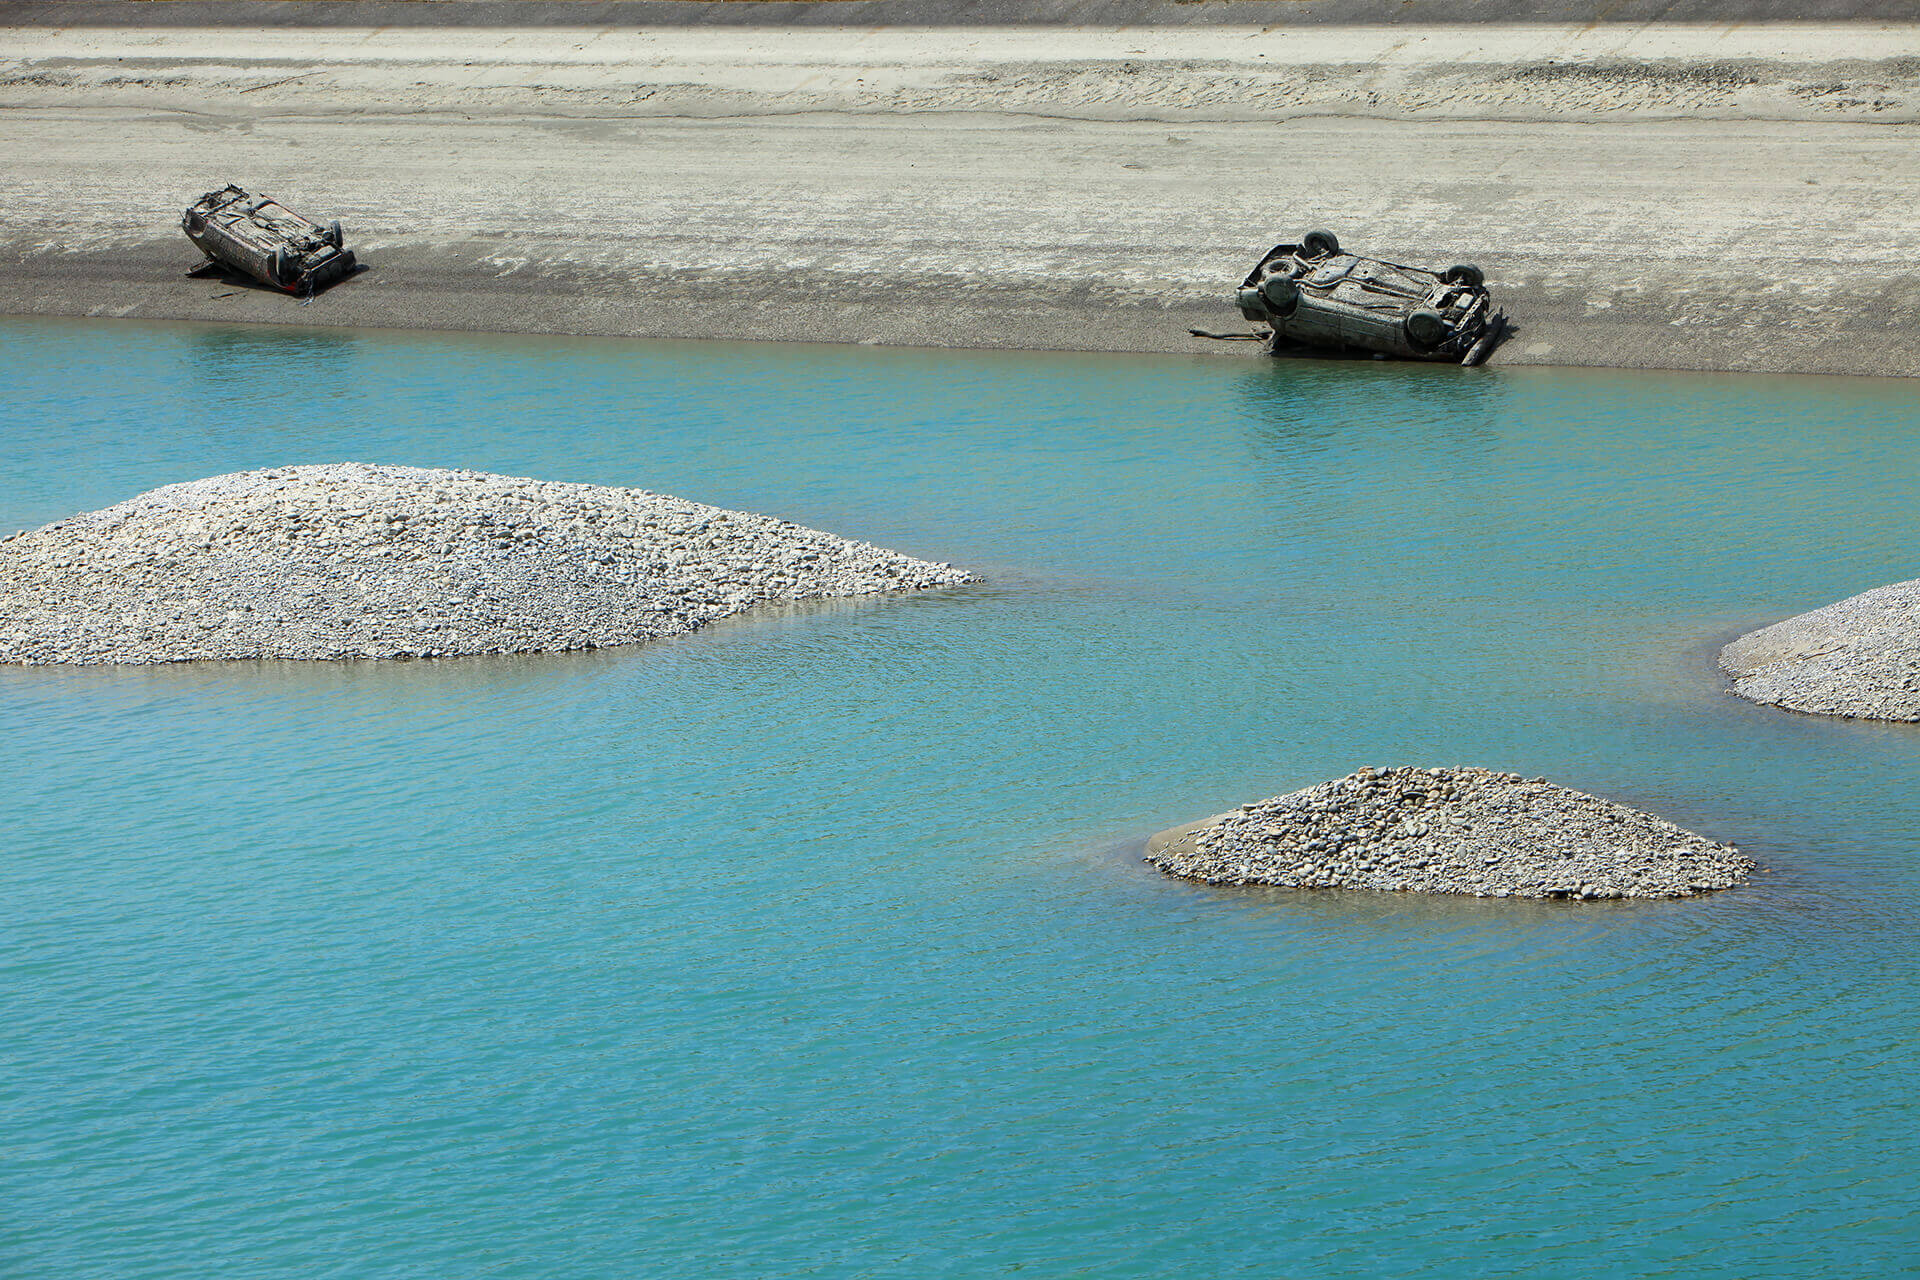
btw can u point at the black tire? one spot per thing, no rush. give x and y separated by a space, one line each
1282 294
1426 329
1465 273
277 267
1320 244
335 236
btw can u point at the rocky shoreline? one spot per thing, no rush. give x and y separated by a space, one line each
356 561
1455 831
1858 657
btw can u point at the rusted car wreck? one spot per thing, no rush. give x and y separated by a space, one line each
1311 294
264 239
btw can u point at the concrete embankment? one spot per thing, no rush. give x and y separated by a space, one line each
1732 196
1456 831
355 561
1858 657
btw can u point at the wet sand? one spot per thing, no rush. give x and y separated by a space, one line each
1669 196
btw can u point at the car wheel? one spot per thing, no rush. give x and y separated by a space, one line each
1320 244
1282 294
1465 273
1426 329
276 266
334 234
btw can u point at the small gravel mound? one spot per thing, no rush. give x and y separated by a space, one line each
357 561
1471 831
1859 657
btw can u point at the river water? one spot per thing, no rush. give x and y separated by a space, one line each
818 943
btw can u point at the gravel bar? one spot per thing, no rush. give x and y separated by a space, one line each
356 561
1466 831
1859 657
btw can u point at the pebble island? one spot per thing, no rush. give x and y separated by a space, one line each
1858 657
356 561
1464 831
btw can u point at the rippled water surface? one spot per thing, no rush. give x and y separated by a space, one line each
818 943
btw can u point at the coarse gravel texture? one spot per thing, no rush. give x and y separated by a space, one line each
1464 831
356 561
1858 657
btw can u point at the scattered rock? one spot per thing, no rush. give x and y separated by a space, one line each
357 561
1469 831
1859 657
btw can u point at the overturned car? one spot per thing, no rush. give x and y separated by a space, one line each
264 239
1312 294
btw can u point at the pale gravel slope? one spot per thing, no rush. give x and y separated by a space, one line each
1859 72
1450 831
357 561
1858 657
1737 198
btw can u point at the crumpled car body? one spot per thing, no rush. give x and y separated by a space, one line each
262 238
1312 294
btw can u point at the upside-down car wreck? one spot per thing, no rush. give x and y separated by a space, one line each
1312 294
264 239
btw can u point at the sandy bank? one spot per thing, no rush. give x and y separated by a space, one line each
1159 14
1461 831
355 561
1858 657
1664 196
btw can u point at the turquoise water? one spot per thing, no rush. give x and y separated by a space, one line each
818 943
